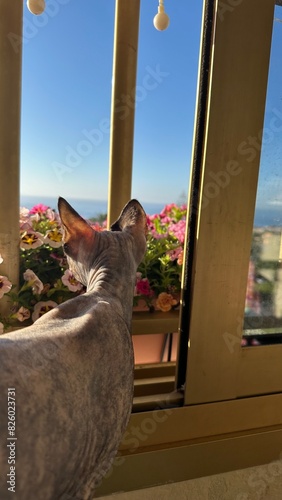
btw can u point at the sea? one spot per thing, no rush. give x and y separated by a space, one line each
86 208
93 208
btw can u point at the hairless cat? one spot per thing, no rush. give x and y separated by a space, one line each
68 378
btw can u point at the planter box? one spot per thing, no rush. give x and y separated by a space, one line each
155 336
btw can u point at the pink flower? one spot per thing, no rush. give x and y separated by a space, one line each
25 223
38 209
178 230
69 280
98 227
24 213
168 208
174 254
5 285
165 301
158 235
151 218
33 281
23 314
62 260
25 226
166 219
42 308
31 239
143 287
52 215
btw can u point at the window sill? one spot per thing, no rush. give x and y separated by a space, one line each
177 444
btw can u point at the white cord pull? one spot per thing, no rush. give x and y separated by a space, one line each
161 19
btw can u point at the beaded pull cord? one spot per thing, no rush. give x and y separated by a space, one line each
161 19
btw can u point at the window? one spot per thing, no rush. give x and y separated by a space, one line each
225 223
225 410
231 412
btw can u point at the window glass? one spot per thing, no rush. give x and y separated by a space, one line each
263 308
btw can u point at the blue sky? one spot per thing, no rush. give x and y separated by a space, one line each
270 178
67 73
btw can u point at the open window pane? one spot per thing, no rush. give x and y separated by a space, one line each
218 367
163 136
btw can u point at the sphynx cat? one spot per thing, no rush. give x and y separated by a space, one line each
71 372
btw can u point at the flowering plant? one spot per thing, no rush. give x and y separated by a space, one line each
46 281
159 274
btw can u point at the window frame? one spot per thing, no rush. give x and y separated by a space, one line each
227 206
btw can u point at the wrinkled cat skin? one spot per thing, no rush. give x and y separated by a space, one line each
72 370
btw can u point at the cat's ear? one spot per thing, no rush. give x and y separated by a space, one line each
75 228
132 218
